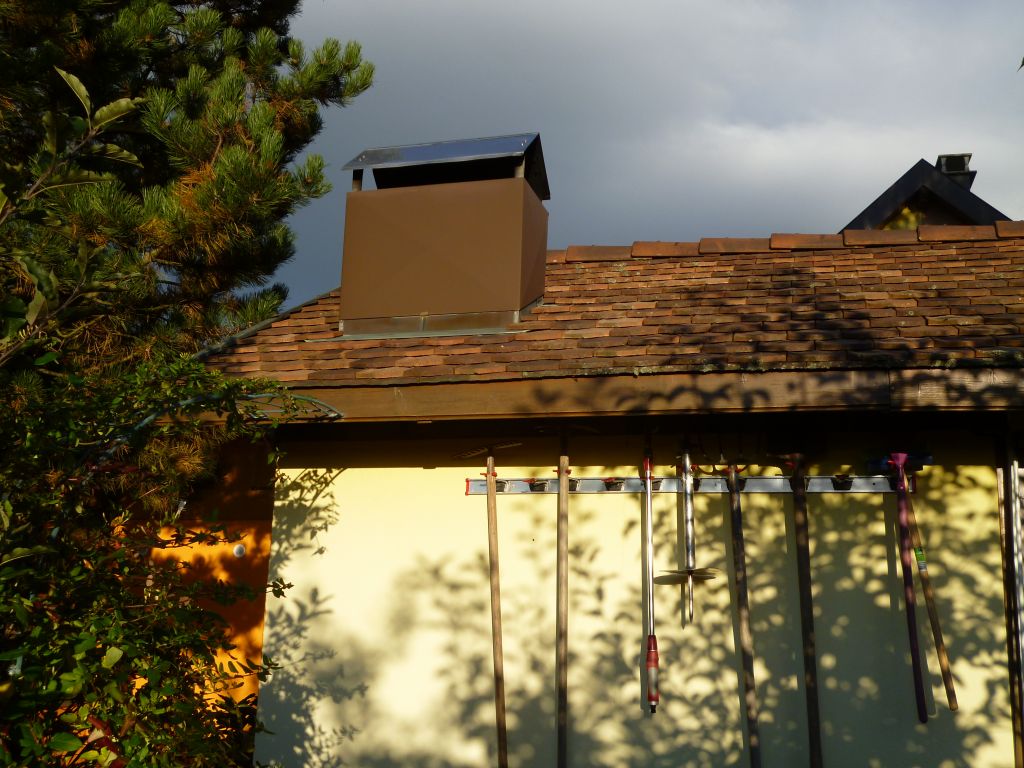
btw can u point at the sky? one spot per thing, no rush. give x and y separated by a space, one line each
681 119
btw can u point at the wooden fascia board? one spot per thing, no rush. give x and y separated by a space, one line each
723 392
979 389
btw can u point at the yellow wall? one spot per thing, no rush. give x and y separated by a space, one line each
385 637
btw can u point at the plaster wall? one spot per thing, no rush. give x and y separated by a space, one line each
238 505
385 644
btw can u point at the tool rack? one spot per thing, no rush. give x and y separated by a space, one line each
705 484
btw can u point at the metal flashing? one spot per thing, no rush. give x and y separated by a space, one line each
456 150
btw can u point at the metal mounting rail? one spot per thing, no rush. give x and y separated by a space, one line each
773 484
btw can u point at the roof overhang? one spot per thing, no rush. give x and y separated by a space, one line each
980 389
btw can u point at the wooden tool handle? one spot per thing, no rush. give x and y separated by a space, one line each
743 614
497 652
933 613
907 565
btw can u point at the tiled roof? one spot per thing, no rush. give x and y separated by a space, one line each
931 298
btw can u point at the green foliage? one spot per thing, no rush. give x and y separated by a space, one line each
95 637
148 159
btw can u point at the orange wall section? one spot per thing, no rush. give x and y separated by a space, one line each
241 498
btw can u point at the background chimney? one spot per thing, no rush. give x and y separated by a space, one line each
957 168
453 239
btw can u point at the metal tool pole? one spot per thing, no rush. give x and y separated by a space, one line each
690 573
689 532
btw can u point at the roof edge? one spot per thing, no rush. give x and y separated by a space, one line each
848 390
785 241
231 341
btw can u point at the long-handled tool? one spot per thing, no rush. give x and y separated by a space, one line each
798 483
743 612
1010 542
691 572
898 462
929 601
562 609
497 653
653 694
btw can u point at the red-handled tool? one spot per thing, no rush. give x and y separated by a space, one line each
653 695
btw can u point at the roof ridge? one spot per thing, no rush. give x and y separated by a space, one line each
789 241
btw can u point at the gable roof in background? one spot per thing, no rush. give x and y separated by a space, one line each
939 194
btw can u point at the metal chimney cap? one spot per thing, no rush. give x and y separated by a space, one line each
522 147
455 150
958 163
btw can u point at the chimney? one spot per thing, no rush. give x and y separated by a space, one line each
957 168
454 238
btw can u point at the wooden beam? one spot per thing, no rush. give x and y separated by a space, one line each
611 396
746 635
495 583
907 570
801 532
933 611
957 390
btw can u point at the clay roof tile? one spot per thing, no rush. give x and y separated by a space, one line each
923 298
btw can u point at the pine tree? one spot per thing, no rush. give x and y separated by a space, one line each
148 159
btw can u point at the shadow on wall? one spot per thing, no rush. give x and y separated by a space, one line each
864 673
323 676
288 702
867 706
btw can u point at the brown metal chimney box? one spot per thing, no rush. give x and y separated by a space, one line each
441 254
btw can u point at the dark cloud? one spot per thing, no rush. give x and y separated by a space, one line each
676 120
